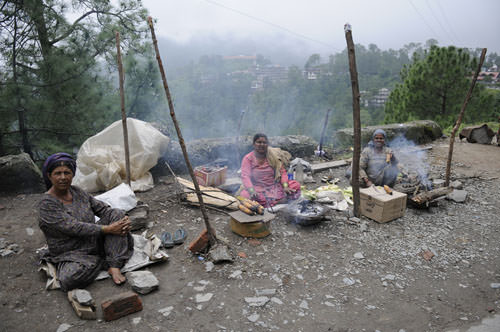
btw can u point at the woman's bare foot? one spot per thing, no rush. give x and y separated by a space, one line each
116 275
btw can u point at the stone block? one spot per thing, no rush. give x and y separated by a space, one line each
143 282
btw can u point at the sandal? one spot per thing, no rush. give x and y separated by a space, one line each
166 240
179 236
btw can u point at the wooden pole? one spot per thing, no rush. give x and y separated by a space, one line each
238 137
124 115
211 234
460 116
498 132
355 118
323 131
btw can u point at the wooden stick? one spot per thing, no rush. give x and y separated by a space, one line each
460 116
124 115
240 121
177 183
323 132
355 118
498 133
211 233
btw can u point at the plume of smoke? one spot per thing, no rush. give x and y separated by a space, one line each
413 160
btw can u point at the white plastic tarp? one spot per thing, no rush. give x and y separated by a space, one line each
120 197
101 158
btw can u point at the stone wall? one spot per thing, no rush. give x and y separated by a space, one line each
203 151
419 132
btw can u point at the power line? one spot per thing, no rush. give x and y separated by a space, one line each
215 3
422 18
439 22
443 13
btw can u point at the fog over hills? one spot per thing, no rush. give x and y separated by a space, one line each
277 48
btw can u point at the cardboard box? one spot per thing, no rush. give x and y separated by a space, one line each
378 205
206 176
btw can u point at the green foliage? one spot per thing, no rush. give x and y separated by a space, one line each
59 82
434 87
55 85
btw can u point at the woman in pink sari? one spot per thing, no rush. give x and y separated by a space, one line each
263 176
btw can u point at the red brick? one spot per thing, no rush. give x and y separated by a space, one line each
200 243
121 305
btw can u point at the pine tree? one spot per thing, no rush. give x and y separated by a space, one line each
434 87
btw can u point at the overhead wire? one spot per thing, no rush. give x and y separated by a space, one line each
423 19
439 21
443 13
215 3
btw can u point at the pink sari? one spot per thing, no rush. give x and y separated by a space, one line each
261 178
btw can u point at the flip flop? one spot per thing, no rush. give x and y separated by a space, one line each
179 236
166 240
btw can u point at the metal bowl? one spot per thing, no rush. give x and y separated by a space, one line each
305 212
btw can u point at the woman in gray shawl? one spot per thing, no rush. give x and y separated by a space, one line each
377 164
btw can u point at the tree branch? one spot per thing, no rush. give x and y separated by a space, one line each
72 27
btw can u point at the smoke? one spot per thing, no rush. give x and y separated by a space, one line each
412 160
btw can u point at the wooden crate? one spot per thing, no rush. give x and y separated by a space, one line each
210 178
376 204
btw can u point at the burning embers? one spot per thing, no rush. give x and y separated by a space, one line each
305 212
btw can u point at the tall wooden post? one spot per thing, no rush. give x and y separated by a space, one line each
355 119
21 117
211 234
323 131
460 116
124 115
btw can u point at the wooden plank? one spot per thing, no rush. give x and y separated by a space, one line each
331 164
245 218
232 205
207 191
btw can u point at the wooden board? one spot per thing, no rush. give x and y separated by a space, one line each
232 205
211 195
245 218
331 164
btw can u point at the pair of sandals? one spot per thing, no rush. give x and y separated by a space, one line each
169 241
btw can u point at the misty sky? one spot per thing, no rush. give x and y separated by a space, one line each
316 26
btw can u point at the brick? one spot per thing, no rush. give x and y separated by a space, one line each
121 305
200 243
82 311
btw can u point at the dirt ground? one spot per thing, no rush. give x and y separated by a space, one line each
339 275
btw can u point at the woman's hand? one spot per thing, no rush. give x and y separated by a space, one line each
253 193
120 227
287 189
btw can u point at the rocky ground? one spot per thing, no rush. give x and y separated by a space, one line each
340 275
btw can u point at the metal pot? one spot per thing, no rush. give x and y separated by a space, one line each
305 212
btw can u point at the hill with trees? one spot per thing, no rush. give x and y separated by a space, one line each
58 82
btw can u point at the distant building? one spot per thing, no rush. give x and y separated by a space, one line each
240 57
488 76
268 74
312 73
380 99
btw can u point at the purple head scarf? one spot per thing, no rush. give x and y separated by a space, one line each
55 160
378 132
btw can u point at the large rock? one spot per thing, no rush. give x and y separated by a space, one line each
19 174
419 132
477 134
204 151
